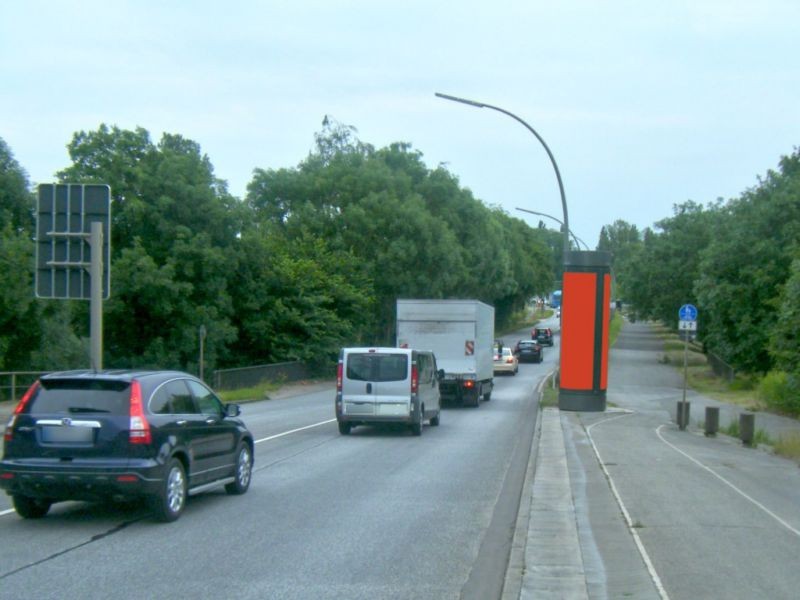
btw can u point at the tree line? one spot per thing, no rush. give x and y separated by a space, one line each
311 259
738 261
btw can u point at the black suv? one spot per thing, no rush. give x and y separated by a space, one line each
94 435
543 335
529 351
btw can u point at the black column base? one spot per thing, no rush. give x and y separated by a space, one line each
582 401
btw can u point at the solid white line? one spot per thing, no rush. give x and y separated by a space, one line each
278 435
729 484
639 545
6 512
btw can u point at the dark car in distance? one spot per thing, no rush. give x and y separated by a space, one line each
97 435
529 351
543 335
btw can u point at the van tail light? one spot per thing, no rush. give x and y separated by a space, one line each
339 371
414 379
139 432
9 432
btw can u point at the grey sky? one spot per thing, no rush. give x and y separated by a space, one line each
644 104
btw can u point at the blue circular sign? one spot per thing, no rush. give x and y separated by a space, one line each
688 312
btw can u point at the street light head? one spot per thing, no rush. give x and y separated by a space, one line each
461 100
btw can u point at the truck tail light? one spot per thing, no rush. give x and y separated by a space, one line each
414 379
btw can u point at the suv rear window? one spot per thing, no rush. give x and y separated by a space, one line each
377 367
70 396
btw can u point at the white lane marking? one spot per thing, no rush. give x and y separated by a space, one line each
278 435
6 512
729 484
639 545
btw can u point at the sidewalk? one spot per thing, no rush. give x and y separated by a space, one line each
575 538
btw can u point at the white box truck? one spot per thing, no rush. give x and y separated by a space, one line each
461 335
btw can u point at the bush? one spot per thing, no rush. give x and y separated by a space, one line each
781 392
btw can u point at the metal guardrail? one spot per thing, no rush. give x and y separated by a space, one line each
232 379
15 383
720 367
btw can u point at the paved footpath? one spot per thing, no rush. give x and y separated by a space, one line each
622 504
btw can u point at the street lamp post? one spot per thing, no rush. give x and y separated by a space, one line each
583 366
578 241
538 137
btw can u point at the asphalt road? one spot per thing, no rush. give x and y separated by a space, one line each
664 513
377 514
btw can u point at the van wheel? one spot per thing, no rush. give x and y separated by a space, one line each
416 428
435 420
344 428
30 508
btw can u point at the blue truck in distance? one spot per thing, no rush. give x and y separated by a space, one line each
555 299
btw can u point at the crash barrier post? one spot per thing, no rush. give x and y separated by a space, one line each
747 428
712 420
682 414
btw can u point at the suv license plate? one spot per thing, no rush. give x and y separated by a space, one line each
67 435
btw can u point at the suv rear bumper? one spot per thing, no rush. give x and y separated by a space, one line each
56 481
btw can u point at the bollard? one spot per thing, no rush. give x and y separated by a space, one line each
747 428
682 414
712 420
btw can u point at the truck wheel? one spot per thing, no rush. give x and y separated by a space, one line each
435 420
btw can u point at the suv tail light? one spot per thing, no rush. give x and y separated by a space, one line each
9 433
139 426
414 379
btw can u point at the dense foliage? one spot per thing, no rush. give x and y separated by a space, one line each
312 259
739 262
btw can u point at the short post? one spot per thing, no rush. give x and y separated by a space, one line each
712 420
682 415
747 428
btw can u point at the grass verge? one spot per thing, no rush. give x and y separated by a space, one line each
251 394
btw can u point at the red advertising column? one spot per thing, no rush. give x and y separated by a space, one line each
585 304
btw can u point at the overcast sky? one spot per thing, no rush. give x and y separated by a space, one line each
644 104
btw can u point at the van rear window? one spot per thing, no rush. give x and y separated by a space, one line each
71 396
377 367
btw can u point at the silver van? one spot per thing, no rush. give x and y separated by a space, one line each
387 385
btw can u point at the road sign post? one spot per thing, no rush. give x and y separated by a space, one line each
73 250
687 323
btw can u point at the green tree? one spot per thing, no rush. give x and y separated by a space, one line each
660 277
174 227
624 241
745 265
